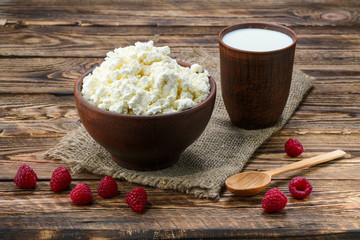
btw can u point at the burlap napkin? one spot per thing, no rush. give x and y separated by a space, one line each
221 151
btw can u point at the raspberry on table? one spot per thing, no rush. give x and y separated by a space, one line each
300 187
137 199
293 148
81 194
274 201
25 177
107 187
60 179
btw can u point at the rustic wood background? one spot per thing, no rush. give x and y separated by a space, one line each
46 45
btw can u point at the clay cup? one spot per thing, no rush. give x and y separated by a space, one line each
255 85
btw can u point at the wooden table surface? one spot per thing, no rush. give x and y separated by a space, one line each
46 45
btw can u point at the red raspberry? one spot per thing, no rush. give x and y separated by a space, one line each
136 199
300 187
274 200
107 187
60 179
293 148
25 177
81 194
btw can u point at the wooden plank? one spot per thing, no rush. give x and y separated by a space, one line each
262 160
163 13
70 41
43 167
182 214
299 125
179 234
325 192
38 75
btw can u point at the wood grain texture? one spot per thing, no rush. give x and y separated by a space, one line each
45 45
178 213
74 41
175 13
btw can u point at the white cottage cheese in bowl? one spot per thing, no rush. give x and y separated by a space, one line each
145 80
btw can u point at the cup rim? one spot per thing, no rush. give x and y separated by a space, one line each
260 25
80 98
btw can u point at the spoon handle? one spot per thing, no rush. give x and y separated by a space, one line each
307 162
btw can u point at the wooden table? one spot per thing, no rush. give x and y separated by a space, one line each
45 46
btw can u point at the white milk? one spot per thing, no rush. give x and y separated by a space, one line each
257 40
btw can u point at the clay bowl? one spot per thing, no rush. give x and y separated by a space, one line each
144 142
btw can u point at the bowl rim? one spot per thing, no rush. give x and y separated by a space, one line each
80 98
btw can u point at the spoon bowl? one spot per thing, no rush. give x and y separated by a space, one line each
251 183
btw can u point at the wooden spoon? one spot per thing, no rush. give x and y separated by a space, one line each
251 183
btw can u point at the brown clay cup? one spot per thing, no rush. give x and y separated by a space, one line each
144 142
255 85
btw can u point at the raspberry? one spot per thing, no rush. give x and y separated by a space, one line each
25 177
136 199
81 194
300 187
107 187
293 148
60 179
274 200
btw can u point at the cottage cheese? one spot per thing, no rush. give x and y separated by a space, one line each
145 80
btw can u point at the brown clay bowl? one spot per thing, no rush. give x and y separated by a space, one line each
145 142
